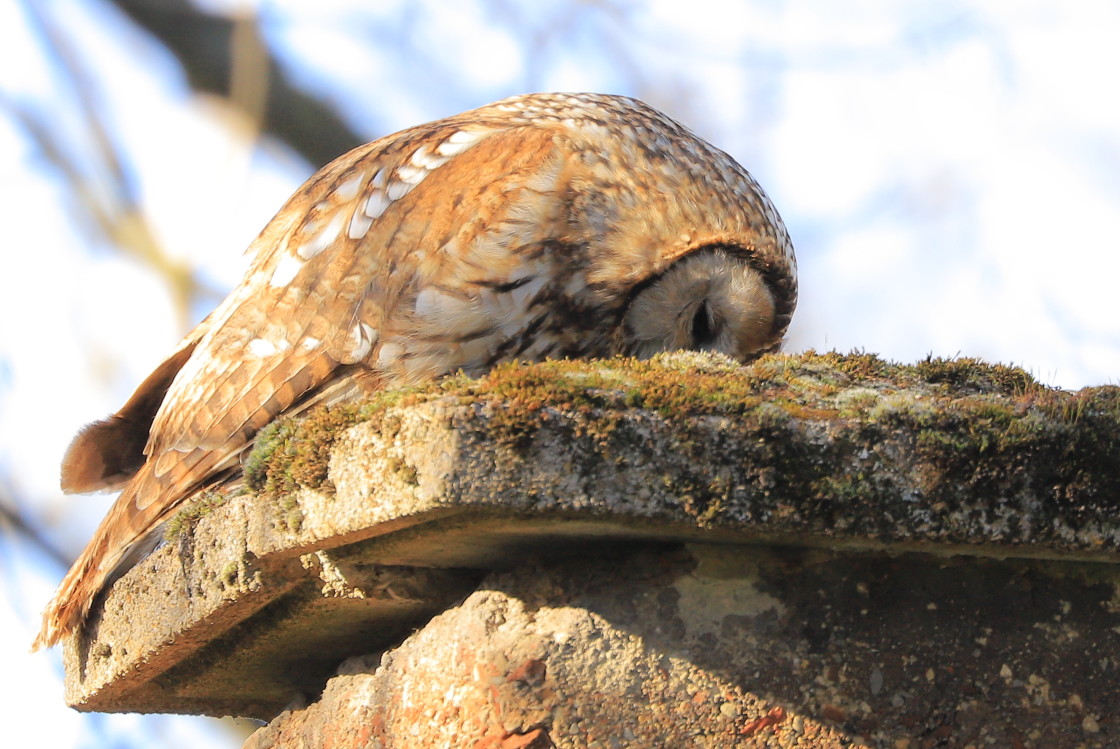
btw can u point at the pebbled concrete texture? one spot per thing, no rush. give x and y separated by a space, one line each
961 502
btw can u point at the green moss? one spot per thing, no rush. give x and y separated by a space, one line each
855 402
189 515
967 373
230 574
295 451
405 470
291 514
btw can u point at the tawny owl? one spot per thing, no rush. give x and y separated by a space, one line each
547 225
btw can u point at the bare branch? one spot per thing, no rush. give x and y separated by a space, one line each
204 44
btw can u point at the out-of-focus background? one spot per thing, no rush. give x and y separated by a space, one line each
949 172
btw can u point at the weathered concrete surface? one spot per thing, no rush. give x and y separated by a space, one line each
365 521
718 646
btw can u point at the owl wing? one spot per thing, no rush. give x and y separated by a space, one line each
335 275
338 272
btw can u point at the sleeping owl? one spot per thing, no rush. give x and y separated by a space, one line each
541 226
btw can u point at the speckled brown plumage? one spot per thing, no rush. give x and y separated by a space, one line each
545 225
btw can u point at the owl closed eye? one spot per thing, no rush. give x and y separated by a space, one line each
710 300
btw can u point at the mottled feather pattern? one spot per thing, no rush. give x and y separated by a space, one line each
545 225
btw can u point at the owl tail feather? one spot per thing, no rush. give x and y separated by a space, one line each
128 531
68 608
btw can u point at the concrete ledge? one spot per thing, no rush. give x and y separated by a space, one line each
364 522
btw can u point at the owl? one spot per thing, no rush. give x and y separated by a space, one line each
540 226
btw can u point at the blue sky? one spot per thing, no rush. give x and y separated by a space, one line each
949 172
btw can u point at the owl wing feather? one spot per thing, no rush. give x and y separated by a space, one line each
276 341
334 276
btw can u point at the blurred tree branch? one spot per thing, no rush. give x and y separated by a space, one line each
13 522
204 45
220 55
108 195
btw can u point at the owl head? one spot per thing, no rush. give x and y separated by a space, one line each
664 239
712 299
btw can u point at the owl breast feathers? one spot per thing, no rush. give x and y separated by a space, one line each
547 225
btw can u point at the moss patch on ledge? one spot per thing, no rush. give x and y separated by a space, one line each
198 507
815 437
